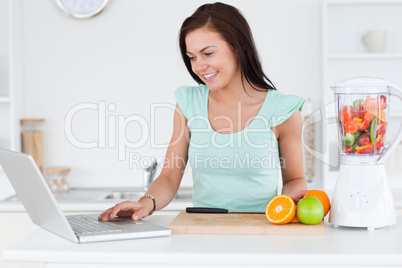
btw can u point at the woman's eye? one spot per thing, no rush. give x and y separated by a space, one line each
208 53
191 58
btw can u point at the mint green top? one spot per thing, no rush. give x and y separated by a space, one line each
237 171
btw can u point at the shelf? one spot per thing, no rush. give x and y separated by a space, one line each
368 56
4 99
395 114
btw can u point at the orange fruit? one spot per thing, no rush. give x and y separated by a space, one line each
281 209
322 196
295 219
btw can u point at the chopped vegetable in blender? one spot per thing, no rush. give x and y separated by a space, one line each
363 125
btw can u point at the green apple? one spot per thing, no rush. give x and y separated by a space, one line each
310 210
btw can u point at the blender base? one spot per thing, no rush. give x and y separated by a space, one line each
368 228
362 198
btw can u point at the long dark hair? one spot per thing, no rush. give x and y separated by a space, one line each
233 27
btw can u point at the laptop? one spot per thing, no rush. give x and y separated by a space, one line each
43 209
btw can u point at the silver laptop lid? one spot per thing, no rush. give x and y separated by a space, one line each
34 193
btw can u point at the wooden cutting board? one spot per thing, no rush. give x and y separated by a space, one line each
231 223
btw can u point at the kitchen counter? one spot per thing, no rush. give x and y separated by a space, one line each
338 247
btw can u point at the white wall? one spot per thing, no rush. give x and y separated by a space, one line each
3 49
128 56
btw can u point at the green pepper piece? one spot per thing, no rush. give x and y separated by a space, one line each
373 130
358 102
353 147
348 139
357 135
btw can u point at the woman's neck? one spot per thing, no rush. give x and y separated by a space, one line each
237 94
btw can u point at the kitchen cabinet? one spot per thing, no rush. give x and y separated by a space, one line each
344 55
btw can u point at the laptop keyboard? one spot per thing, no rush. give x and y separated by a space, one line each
87 225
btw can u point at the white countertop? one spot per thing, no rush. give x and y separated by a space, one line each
338 247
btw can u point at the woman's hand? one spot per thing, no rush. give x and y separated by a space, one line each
298 195
125 209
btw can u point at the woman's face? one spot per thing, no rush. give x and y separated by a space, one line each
212 60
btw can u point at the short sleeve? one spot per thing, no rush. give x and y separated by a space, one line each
288 105
183 98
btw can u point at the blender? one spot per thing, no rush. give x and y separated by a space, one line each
362 196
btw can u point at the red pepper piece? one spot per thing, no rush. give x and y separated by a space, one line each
368 116
381 128
365 151
371 148
358 112
348 149
382 132
350 127
345 114
364 125
379 145
383 102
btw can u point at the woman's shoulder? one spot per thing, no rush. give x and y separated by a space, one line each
190 94
283 106
191 90
283 100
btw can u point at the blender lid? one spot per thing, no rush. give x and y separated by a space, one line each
362 85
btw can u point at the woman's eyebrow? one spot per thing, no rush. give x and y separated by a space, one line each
205 48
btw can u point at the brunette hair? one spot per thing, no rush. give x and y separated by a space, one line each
234 29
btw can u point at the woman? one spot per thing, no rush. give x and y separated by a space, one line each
235 129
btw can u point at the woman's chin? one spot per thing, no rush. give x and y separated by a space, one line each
212 87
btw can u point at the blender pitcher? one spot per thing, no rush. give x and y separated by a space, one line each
362 197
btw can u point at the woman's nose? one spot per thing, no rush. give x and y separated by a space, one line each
199 65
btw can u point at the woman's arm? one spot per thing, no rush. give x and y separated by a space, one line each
289 135
165 187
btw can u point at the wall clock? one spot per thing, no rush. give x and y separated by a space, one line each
82 9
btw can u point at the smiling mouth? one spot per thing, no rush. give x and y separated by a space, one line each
210 76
